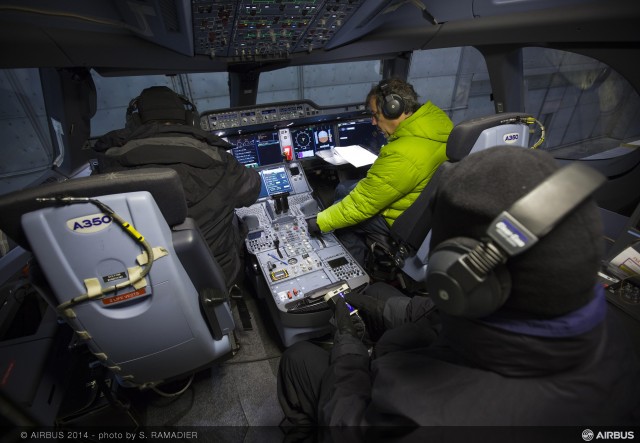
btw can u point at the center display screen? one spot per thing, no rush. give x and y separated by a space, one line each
274 181
309 140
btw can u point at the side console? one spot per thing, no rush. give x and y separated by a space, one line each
295 267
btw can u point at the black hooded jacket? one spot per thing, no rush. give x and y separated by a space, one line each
479 373
214 182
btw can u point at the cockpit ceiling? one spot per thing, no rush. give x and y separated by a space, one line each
252 29
127 37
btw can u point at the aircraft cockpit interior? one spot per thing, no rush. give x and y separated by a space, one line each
290 145
115 312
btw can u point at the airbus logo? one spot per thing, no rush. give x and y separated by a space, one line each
588 435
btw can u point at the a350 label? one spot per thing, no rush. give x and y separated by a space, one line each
89 223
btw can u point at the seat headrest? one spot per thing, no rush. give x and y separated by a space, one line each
162 183
413 225
464 135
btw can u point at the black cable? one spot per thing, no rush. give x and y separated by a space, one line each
276 243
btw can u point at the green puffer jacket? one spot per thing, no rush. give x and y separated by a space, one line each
403 168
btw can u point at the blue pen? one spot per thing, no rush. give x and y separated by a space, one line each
277 259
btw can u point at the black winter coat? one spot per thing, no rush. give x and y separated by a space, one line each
478 374
213 188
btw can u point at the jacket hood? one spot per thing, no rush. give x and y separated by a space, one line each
428 121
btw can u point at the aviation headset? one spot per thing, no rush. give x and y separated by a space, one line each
468 278
392 104
134 119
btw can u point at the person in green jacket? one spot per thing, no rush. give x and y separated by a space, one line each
417 137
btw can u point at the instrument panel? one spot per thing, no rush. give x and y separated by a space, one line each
293 264
270 134
293 269
267 29
254 118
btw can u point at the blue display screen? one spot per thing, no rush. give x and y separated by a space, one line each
255 150
361 132
274 181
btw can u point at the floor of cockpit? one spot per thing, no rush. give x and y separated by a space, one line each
239 391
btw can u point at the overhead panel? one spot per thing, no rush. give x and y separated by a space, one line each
266 29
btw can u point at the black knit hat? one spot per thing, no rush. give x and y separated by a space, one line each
558 274
159 103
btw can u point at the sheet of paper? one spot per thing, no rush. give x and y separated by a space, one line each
356 155
331 156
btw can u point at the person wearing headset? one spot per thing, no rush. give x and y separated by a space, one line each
520 335
417 136
163 130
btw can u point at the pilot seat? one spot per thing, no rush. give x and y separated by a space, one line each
407 253
146 320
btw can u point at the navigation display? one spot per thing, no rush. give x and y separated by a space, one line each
255 150
361 132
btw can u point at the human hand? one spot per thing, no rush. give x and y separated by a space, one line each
346 322
371 310
313 228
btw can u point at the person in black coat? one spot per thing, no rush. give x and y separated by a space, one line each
551 355
163 130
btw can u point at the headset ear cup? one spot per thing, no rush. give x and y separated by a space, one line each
191 115
393 106
133 121
448 294
503 291
192 118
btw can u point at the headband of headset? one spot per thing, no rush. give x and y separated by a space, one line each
466 276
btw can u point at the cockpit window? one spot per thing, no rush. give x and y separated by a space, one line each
27 151
207 91
454 79
325 85
587 108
